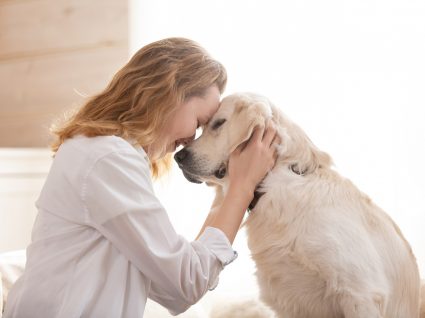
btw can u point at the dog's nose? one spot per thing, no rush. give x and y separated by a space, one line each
181 155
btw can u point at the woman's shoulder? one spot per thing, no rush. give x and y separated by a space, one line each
78 156
95 148
82 159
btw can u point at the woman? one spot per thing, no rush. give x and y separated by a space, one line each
102 243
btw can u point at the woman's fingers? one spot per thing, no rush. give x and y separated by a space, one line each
269 134
258 133
239 148
261 134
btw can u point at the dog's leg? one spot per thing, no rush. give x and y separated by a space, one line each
362 307
422 300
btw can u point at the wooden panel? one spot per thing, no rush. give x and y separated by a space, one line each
38 89
26 132
29 28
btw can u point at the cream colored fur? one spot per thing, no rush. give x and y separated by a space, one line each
422 301
322 248
241 309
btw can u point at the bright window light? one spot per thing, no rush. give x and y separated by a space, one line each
350 73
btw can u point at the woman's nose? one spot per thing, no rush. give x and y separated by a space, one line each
186 141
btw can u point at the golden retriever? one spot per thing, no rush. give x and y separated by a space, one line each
322 248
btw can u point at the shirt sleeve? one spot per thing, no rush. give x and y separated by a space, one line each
120 202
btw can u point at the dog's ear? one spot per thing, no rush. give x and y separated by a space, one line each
305 156
296 147
248 114
316 159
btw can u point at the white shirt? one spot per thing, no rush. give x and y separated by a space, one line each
102 242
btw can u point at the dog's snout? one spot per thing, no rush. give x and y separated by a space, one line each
181 156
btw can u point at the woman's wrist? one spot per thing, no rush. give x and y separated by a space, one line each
242 190
228 216
207 222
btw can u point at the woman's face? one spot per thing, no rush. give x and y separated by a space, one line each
195 112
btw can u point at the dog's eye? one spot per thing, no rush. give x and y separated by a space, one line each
218 123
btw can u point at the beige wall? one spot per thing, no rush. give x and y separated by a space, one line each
49 51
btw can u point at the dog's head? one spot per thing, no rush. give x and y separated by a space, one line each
206 158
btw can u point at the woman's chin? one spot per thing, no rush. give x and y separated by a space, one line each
158 152
171 148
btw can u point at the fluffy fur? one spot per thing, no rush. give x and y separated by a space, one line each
242 309
322 248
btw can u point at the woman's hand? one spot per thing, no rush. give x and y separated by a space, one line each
250 162
248 165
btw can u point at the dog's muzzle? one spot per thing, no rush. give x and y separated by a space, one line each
184 159
181 156
190 177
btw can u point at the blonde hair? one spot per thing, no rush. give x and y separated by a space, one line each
144 93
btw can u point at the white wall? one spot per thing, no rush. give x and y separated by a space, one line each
22 174
351 73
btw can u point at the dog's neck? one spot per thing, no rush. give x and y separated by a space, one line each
257 196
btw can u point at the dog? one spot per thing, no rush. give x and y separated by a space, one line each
322 248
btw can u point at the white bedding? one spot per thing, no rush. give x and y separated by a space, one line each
11 267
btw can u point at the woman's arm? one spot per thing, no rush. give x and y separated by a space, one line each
248 165
218 200
120 203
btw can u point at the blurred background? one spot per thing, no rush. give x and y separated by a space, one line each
351 73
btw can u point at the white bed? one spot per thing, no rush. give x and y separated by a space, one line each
11 267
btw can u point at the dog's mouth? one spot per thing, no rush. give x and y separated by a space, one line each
220 173
190 177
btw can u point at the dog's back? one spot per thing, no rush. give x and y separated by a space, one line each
323 248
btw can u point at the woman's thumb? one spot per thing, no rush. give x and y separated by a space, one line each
241 147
